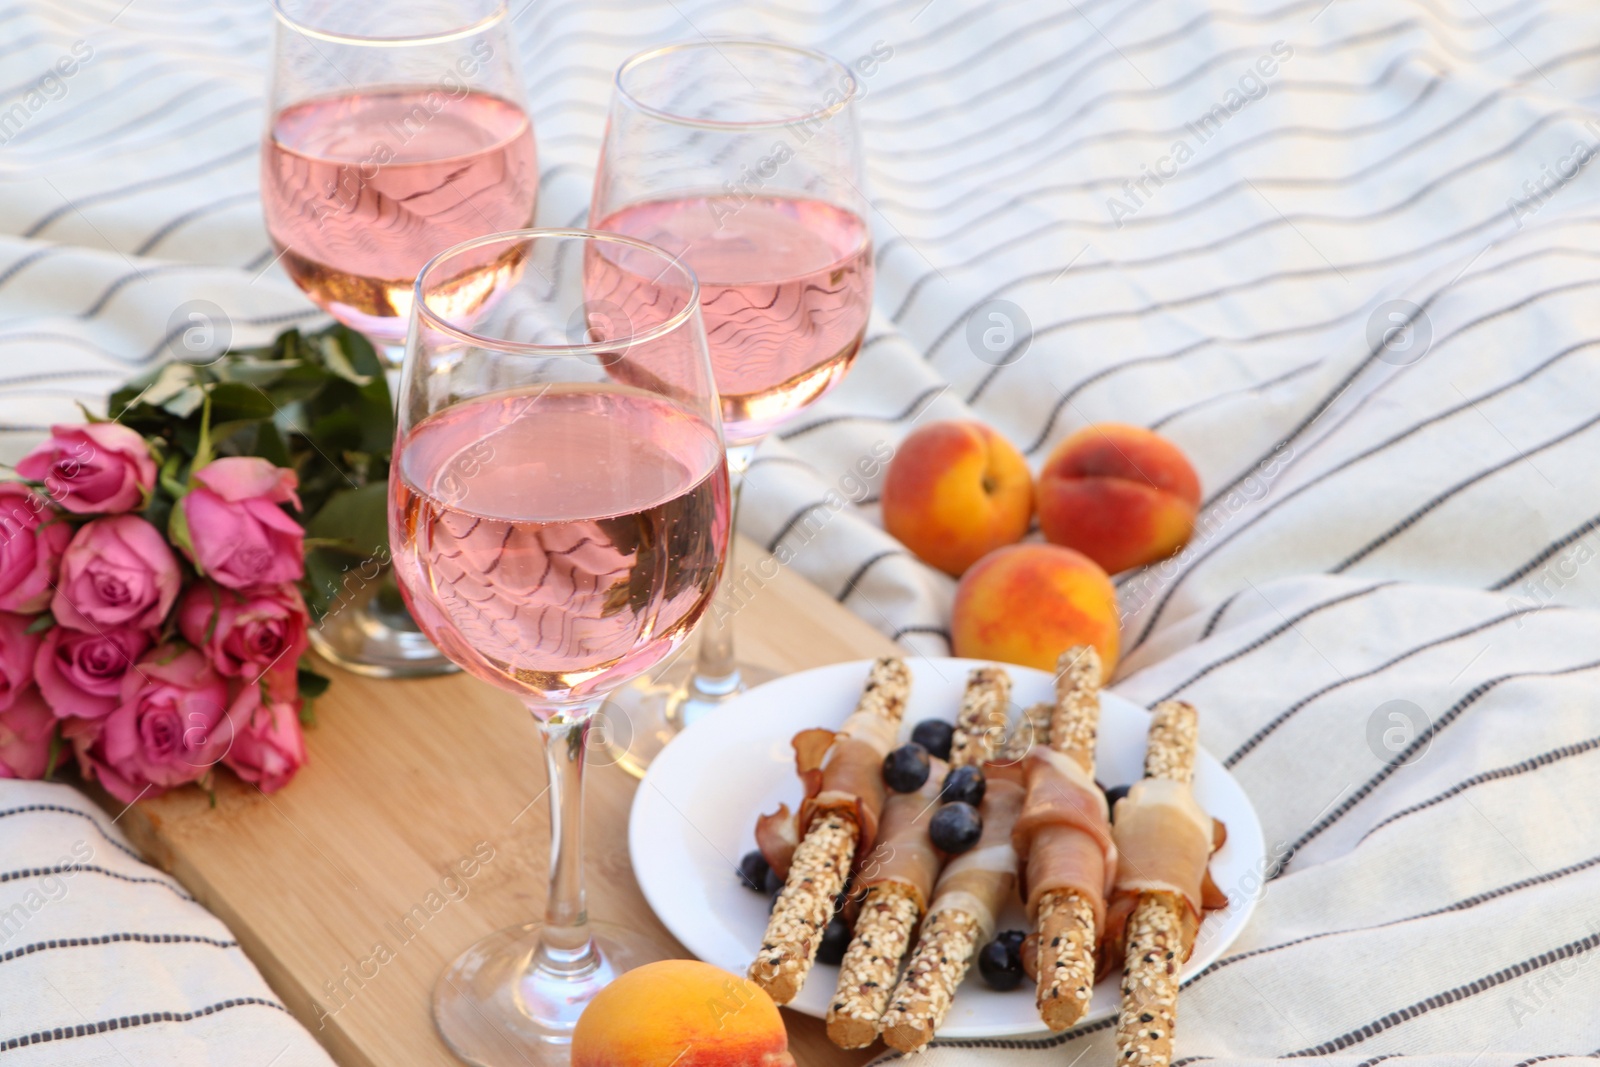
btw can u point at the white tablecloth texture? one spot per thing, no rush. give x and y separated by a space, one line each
1210 214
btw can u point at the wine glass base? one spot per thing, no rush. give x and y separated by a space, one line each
494 1009
639 720
372 634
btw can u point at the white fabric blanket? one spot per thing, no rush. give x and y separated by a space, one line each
105 961
1210 214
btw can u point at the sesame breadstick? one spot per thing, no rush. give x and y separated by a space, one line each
829 840
981 722
1075 719
889 916
922 999
1174 737
890 912
1160 930
1033 728
899 876
1068 938
805 905
971 892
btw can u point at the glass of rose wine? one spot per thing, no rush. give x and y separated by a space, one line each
559 510
743 159
394 131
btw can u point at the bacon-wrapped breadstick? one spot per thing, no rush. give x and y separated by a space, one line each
1165 841
1063 841
838 820
971 892
898 876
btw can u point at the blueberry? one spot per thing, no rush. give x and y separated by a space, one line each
753 871
1116 793
1014 938
1000 963
772 898
965 784
955 827
771 883
835 939
934 735
906 768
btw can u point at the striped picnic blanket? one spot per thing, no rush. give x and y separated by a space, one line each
1345 252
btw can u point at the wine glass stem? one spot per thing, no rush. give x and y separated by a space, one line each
566 946
716 670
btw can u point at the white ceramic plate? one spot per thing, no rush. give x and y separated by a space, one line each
695 813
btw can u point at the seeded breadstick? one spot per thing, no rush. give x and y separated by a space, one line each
1160 929
1068 938
1174 735
1067 944
1033 728
922 999
805 905
1075 719
981 722
898 876
971 891
890 912
888 918
831 833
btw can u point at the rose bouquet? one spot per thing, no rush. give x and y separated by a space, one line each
154 569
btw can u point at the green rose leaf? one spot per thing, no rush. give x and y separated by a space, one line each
357 520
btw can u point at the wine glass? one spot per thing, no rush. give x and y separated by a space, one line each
394 131
559 507
742 158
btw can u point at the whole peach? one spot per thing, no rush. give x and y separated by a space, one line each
1029 603
680 1013
954 491
1121 495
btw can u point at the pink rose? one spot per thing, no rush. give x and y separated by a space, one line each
232 528
246 634
171 727
25 729
268 747
32 538
17 648
116 572
98 468
80 673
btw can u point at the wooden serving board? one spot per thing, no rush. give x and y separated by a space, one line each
406 781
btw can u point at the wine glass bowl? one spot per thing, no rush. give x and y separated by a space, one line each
394 132
562 504
559 511
742 157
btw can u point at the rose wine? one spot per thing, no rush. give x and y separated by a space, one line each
361 190
558 543
785 288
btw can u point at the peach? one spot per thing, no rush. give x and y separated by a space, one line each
955 491
1029 603
680 1013
1121 495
